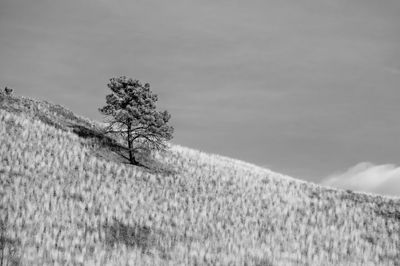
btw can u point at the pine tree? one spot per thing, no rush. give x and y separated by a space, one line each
131 112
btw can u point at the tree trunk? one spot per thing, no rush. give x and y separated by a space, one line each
132 158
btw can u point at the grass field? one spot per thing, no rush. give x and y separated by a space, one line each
67 199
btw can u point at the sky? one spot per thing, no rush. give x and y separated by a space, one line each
306 88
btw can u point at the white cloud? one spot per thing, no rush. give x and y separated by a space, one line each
367 177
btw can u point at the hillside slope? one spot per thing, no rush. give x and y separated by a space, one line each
65 198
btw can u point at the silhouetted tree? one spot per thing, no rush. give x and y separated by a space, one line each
131 112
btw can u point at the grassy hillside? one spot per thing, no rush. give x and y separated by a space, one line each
66 198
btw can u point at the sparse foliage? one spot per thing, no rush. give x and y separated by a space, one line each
131 113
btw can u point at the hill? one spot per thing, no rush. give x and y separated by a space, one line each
66 198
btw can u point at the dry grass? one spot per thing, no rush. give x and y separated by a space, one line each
61 203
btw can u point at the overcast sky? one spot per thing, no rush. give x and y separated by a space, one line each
306 88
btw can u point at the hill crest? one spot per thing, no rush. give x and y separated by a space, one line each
62 202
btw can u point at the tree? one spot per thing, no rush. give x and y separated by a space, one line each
131 113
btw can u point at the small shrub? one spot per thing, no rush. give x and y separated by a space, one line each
8 91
